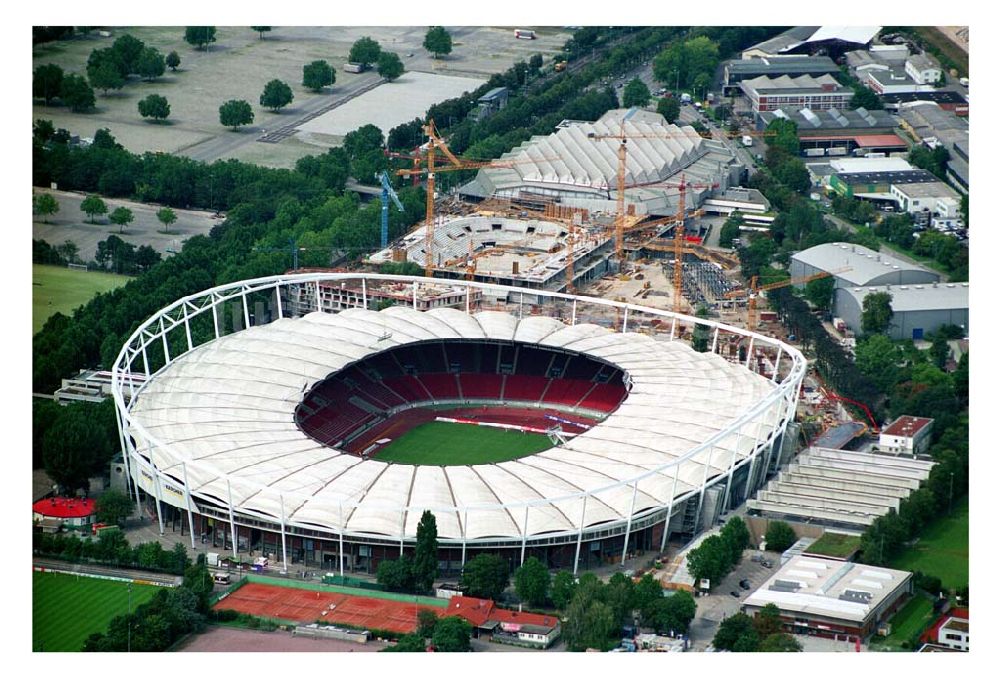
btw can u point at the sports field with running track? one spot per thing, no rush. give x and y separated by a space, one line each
66 609
442 443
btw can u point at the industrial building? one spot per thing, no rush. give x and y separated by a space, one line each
736 71
836 600
926 199
577 166
835 131
833 40
948 99
877 56
909 435
917 309
864 267
893 81
878 185
837 488
818 93
923 69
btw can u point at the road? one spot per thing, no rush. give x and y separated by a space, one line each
59 565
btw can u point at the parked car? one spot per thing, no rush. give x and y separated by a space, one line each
745 584
734 593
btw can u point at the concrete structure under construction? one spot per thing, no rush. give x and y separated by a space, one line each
917 309
825 598
577 166
864 267
522 253
843 489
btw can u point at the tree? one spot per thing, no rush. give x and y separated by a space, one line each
779 642
146 257
699 338
45 205
783 135
437 41
767 621
173 60
410 643
113 507
154 106
92 206
261 30
452 635
199 36
425 555
396 574
645 593
128 48
179 556
671 614
736 537
736 633
711 560
779 536
151 64
563 587
688 64
276 95
820 292
940 351
876 313
485 576
589 623
76 93
426 621
317 75
105 75
364 51
865 98
73 448
636 93
121 217
235 113
389 66
47 82
531 581
669 107
878 358
198 580
166 216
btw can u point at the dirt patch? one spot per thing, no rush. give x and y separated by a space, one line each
235 639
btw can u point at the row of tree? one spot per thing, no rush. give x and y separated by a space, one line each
762 633
716 556
111 547
446 635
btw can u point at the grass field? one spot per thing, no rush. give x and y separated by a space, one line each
943 550
56 289
835 545
907 624
439 443
66 609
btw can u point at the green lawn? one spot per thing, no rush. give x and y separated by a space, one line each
66 609
907 625
439 443
835 545
56 289
943 550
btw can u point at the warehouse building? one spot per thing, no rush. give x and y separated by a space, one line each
837 488
878 185
926 200
865 268
836 600
825 132
736 71
948 99
804 91
877 56
893 81
577 166
831 40
917 309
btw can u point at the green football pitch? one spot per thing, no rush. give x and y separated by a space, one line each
66 609
440 443
56 289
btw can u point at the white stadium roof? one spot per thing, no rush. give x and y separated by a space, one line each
222 414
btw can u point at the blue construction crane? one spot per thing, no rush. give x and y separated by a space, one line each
387 192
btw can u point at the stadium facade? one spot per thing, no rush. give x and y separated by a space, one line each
216 440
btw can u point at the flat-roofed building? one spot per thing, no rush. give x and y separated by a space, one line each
826 598
893 81
908 435
917 309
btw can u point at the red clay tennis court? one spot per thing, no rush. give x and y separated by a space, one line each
297 604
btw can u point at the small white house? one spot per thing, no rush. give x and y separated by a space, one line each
955 634
922 69
907 435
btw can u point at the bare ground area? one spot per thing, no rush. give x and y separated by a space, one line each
239 64
237 639
957 34
69 223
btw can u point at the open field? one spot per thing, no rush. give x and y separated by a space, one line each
439 443
946 45
62 290
908 623
67 609
69 223
239 64
943 550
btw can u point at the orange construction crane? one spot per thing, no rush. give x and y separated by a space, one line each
753 292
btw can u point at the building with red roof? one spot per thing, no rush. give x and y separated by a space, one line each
906 435
505 625
57 512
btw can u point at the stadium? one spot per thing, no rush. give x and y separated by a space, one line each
578 430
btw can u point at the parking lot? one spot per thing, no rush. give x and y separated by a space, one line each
721 603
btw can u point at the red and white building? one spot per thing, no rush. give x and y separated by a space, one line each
804 91
505 625
53 514
908 435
